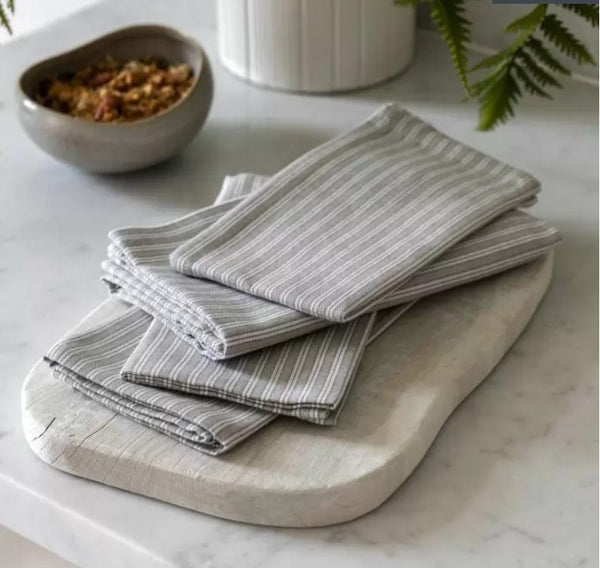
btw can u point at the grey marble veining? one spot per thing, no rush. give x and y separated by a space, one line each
511 479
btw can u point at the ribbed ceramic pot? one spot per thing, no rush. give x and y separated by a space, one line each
315 45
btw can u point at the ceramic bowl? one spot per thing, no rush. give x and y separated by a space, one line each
119 147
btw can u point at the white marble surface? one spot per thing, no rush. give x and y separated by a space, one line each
22 553
512 478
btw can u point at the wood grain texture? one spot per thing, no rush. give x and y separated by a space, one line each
293 473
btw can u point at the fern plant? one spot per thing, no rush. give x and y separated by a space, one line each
7 8
525 66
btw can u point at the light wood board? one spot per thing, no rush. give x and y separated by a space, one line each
293 473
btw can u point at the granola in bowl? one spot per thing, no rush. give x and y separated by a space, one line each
114 92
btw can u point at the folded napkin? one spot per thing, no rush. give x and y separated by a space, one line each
91 361
308 374
345 225
222 322
308 377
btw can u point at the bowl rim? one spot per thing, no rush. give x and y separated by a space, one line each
138 29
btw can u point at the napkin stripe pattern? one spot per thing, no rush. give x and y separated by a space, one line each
94 362
148 361
175 302
350 221
307 377
223 323
513 239
239 186
91 362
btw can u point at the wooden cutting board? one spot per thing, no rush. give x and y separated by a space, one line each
293 473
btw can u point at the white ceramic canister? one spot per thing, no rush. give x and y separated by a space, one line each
315 45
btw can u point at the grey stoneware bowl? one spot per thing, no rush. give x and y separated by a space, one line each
119 147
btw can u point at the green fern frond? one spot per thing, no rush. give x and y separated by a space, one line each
499 91
542 76
490 61
4 21
587 11
555 31
498 104
529 21
449 18
526 26
479 88
11 6
528 84
544 56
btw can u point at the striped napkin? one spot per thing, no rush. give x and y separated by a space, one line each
96 361
149 361
91 362
221 322
345 225
308 377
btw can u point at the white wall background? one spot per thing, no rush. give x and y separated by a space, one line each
489 22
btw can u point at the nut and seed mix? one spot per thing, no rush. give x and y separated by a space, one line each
109 91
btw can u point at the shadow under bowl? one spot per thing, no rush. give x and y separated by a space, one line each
119 147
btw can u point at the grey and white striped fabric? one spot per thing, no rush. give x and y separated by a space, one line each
239 186
91 362
94 363
307 374
222 323
349 222
307 377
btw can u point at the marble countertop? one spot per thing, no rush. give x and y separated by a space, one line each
511 479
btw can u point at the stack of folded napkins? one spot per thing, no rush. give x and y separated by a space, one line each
263 304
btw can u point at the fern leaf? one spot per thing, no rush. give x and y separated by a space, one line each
529 84
485 84
497 105
530 21
526 25
539 73
11 6
560 36
449 18
544 56
587 11
491 60
4 22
